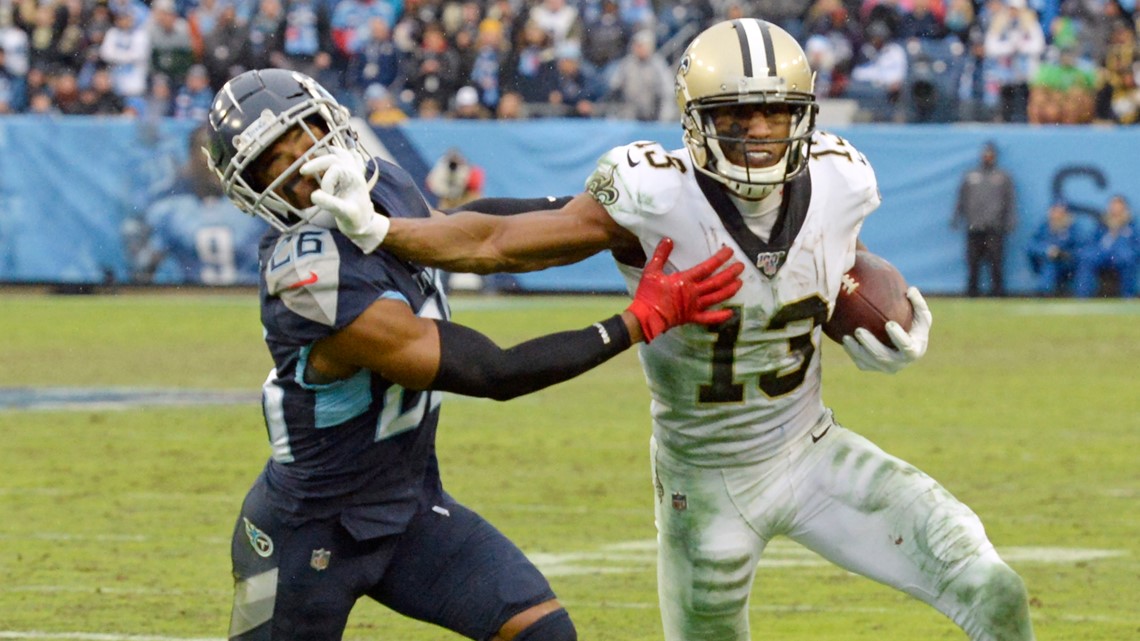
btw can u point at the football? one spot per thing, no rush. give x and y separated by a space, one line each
872 293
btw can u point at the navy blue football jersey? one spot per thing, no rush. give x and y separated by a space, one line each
362 448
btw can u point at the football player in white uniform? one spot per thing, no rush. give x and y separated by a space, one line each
743 447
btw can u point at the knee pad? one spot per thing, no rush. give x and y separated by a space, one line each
555 626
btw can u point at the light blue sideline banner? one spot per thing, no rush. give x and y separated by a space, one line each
90 200
918 167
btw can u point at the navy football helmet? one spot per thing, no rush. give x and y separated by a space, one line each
250 113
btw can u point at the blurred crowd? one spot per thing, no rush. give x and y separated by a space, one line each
1049 61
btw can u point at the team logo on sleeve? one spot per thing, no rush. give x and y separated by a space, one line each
260 541
601 186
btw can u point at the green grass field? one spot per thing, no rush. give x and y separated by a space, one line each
115 519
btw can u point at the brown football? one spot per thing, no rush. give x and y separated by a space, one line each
872 293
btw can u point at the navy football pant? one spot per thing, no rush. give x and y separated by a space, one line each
450 567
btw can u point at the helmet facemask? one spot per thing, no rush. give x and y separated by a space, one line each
736 64
310 116
719 149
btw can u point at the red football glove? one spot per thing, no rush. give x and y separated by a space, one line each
664 301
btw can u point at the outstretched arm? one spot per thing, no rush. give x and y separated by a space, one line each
482 244
468 241
418 353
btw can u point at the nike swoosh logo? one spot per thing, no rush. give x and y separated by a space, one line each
815 439
630 160
305 281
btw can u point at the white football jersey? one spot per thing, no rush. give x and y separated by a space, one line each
735 393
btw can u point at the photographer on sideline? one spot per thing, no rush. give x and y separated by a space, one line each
454 181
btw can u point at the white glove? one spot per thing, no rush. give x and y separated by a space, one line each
344 193
871 355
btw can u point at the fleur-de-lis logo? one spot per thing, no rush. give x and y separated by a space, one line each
601 186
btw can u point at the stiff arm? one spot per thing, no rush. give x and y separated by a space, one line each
482 244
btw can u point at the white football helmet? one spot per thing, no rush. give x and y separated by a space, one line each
746 61
250 113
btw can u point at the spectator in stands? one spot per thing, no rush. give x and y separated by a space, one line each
434 68
788 14
9 92
308 38
202 16
70 42
373 60
511 107
487 67
380 108
575 88
1112 254
530 68
1063 91
224 50
126 50
1053 251
192 102
606 39
1015 43
638 14
987 208
169 34
159 99
429 109
879 73
43 37
96 26
35 81
65 93
558 19
41 103
978 96
959 19
266 36
351 22
100 98
642 84
466 106
14 42
1118 99
830 46
922 22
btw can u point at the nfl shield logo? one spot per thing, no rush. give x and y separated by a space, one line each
770 262
320 559
680 501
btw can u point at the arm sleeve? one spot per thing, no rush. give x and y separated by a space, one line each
472 365
511 206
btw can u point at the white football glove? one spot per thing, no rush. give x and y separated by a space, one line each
871 355
344 193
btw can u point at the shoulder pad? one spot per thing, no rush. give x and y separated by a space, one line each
304 271
637 180
845 164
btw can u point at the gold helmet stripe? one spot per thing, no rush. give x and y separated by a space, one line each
756 47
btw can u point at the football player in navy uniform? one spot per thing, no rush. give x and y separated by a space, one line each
351 504
743 447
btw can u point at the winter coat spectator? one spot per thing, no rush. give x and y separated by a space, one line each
1015 43
1112 253
170 46
1053 251
641 87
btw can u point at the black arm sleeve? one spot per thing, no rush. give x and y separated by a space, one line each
472 365
511 206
